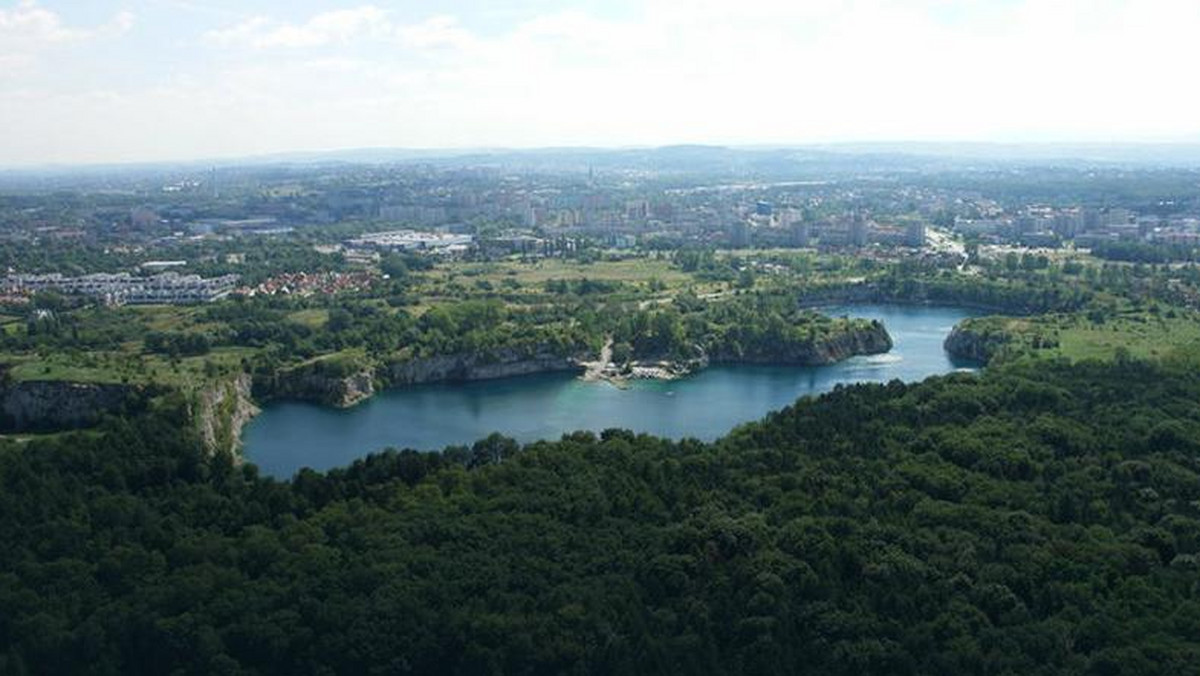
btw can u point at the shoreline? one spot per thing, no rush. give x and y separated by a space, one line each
605 370
560 403
602 369
235 403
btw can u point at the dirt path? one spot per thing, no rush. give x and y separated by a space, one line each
711 295
595 369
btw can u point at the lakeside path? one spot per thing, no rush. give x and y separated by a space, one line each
595 369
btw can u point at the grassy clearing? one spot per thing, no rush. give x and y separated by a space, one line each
163 317
636 270
313 318
1077 337
70 368
1143 337
127 368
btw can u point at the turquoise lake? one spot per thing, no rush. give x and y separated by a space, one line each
288 436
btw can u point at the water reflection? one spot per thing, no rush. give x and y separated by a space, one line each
291 435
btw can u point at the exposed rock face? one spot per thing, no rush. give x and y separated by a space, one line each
342 391
221 411
500 364
55 405
870 340
967 343
873 339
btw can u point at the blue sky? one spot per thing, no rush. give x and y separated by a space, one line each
134 80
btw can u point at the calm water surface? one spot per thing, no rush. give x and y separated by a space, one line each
290 435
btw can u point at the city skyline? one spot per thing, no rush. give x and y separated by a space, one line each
168 80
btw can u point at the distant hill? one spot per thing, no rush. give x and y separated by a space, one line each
768 161
692 158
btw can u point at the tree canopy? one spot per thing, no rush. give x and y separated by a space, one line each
1032 520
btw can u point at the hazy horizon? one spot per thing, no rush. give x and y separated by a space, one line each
1184 154
147 81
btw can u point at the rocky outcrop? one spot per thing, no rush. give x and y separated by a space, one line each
863 339
872 338
323 387
221 410
487 366
36 405
965 342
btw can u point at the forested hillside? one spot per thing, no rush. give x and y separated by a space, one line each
1037 519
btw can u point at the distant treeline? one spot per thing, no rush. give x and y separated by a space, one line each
1014 295
1145 252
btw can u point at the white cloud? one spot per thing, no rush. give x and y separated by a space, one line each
28 23
438 32
15 65
245 32
122 23
338 26
29 31
366 23
755 71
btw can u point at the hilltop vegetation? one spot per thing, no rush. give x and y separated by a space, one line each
1030 521
1096 334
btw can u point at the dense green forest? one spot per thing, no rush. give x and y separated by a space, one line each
1041 518
766 327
